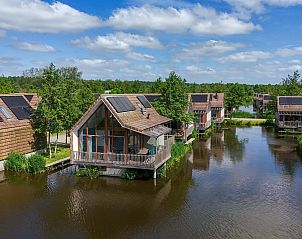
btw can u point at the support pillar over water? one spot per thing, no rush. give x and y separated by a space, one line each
154 174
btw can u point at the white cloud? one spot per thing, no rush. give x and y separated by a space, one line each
258 6
140 57
10 66
246 57
208 48
118 42
27 46
2 34
192 20
110 69
39 16
200 70
291 68
287 52
96 68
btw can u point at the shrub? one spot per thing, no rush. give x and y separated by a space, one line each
89 171
16 162
36 163
299 141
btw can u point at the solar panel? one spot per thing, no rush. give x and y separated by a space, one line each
268 97
18 105
121 104
144 101
290 100
200 98
29 97
152 98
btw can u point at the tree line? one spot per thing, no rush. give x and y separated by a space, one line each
65 95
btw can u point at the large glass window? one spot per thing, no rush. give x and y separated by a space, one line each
93 133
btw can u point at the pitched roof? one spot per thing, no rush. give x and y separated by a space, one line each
204 101
136 119
12 120
139 119
289 103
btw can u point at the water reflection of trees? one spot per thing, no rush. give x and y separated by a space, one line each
234 145
284 150
216 147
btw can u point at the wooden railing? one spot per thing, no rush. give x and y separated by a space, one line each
203 126
289 124
125 160
217 120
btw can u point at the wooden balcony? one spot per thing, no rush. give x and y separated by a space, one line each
203 126
113 160
289 124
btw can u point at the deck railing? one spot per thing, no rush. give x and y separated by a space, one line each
203 126
125 160
289 124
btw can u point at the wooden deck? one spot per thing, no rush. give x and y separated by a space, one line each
113 160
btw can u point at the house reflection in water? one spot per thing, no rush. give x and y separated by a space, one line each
210 149
284 151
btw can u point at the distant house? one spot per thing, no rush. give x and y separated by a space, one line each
16 132
208 108
289 112
121 131
262 102
217 107
200 106
182 133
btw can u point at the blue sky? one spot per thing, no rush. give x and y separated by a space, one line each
255 41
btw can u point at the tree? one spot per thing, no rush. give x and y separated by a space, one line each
292 84
63 101
173 102
238 95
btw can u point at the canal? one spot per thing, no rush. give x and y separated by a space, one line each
240 183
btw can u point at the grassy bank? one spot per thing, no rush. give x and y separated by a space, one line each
179 150
245 123
62 153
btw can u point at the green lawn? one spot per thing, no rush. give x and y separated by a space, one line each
62 152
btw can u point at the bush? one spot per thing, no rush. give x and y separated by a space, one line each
19 163
299 141
16 162
36 163
92 172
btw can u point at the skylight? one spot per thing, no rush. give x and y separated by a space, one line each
5 113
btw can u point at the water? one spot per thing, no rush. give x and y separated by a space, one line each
241 183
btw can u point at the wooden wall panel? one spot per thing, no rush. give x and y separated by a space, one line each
18 139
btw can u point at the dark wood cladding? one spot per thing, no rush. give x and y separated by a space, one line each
20 139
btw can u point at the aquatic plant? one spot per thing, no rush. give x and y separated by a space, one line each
91 172
299 141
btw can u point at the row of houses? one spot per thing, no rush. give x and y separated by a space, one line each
288 110
125 131
120 131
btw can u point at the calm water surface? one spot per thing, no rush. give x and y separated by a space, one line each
241 183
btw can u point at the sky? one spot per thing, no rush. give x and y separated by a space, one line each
245 41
